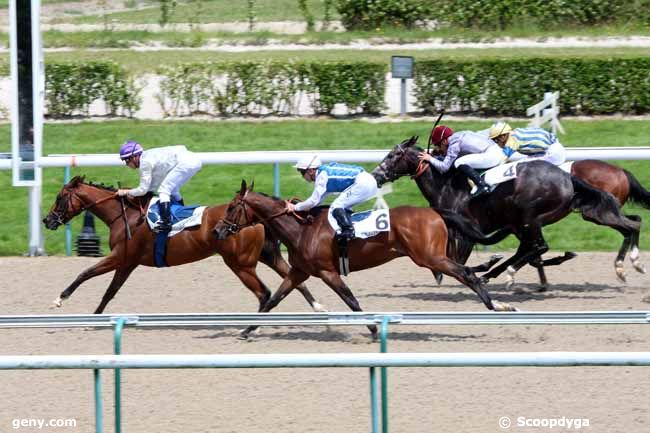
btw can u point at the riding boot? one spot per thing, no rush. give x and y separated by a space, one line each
472 174
345 223
181 201
165 223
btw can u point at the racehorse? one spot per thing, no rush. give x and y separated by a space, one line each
419 233
540 195
241 253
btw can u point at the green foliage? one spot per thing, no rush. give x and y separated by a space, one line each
503 14
251 14
509 86
167 8
374 14
261 88
70 88
309 17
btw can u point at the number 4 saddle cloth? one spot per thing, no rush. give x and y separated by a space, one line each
367 223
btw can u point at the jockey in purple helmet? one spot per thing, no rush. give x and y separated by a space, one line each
164 169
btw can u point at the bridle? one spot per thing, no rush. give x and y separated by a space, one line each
59 215
391 175
233 227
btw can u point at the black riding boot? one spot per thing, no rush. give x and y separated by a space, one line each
343 218
165 224
472 174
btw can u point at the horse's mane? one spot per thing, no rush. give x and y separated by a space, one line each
102 186
271 196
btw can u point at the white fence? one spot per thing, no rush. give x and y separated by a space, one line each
546 111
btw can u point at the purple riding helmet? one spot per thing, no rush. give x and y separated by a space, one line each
129 149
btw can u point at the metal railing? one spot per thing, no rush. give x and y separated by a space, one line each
372 361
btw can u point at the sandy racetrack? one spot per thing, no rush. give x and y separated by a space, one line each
326 400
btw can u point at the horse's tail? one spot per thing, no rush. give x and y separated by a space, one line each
599 206
469 230
638 194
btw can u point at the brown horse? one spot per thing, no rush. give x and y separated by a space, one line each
241 253
419 233
623 186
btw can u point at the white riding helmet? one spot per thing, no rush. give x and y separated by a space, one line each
499 128
310 161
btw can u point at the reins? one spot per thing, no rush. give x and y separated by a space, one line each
235 227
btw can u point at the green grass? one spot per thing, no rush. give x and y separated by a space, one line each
147 61
217 184
215 11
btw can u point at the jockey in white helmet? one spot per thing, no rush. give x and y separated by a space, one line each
353 183
164 169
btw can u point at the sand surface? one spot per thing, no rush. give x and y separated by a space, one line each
326 400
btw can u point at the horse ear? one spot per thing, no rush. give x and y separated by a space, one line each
242 190
252 186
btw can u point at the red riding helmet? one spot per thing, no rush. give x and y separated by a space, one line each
439 133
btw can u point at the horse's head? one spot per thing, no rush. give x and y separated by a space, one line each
401 161
68 204
238 215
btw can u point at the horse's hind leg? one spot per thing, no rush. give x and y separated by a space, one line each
272 258
108 264
121 274
634 247
334 280
293 278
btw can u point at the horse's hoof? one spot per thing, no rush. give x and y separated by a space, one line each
510 283
318 308
640 268
484 280
620 272
503 306
542 289
438 277
496 257
58 302
570 254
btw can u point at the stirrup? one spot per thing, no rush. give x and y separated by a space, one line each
162 228
480 190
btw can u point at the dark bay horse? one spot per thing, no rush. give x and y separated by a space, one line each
419 233
542 194
241 253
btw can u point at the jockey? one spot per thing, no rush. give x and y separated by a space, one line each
353 183
527 143
164 169
467 151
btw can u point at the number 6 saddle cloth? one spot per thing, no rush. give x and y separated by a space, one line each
367 223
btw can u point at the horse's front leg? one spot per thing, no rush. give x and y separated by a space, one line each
119 278
108 264
293 279
634 247
334 280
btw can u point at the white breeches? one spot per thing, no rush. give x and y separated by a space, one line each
555 154
363 188
492 157
171 185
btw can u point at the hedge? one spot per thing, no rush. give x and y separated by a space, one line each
494 14
488 87
263 88
507 87
70 89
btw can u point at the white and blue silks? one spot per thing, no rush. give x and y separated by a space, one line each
352 182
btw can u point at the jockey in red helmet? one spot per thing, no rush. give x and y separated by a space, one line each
467 151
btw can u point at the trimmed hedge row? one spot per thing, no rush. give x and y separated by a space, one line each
262 88
508 87
489 87
70 89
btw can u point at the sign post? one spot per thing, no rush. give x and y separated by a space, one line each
402 68
27 76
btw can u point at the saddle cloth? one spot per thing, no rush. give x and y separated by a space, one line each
499 174
567 166
367 223
182 216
